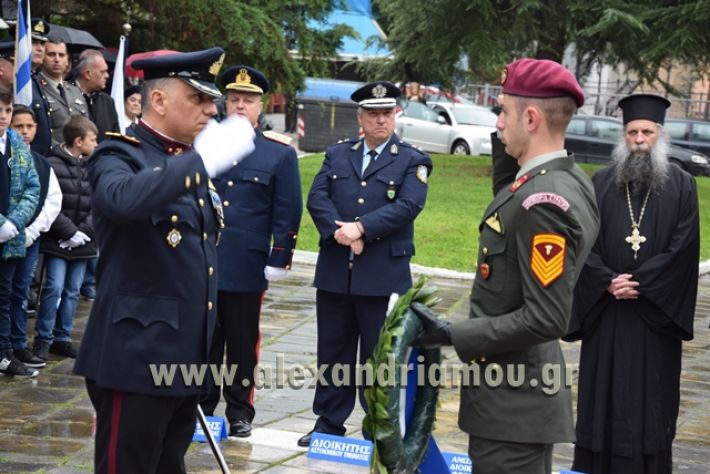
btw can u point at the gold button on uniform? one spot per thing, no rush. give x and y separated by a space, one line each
226 203
209 306
202 202
256 179
210 271
204 236
230 183
198 178
543 171
363 183
188 182
360 201
485 250
173 218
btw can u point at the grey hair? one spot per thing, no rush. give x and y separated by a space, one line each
87 58
639 167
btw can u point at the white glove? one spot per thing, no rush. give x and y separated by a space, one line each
8 231
77 240
222 145
30 237
275 273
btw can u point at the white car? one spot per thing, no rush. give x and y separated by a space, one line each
458 129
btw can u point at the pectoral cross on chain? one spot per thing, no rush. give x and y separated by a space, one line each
635 239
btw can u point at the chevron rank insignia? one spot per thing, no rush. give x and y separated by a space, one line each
547 260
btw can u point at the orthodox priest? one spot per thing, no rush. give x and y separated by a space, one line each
635 300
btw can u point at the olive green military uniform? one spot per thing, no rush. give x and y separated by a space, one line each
534 239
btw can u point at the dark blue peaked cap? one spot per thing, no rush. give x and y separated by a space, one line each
7 50
377 95
199 68
245 79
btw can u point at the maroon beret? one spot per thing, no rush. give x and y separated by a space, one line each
540 78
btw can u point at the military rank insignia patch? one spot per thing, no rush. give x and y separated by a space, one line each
546 198
547 260
422 173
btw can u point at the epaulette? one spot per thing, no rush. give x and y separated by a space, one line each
125 138
277 137
410 146
347 140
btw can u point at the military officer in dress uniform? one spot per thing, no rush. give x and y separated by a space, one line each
43 139
363 201
64 99
157 219
534 239
262 203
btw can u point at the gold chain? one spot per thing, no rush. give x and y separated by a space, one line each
634 224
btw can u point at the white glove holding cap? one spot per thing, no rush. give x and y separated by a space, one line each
222 145
275 273
8 231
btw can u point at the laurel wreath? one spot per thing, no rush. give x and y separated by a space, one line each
392 452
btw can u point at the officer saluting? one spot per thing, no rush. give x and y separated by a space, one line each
363 201
262 200
157 221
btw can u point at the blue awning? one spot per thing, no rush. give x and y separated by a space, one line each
359 16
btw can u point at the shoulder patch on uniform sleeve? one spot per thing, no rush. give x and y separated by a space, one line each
546 198
547 257
124 138
277 137
422 173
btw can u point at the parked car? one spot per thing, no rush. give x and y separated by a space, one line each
693 134
447 128
592 139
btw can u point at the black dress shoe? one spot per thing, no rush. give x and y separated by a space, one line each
240 429
305 440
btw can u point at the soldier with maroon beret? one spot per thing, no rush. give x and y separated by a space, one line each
534 239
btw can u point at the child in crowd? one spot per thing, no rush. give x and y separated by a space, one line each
19 195
24 122
69 244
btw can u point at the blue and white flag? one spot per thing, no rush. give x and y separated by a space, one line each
117 85
23 56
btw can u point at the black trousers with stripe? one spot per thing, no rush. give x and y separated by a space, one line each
238 329
138 433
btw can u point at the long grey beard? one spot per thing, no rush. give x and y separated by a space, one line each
640 167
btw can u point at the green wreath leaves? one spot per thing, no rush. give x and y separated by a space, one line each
393 453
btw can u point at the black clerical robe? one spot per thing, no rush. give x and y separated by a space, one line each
631 349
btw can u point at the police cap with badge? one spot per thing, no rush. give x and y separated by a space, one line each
644 107
40 29
377 95
245 79
199 69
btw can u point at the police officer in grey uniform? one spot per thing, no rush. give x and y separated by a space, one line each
363 201
157 218
534 239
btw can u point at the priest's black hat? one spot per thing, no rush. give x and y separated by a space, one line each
199 68
644 107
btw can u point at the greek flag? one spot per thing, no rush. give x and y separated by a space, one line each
23 56
117 85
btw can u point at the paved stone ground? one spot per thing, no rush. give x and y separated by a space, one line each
46 423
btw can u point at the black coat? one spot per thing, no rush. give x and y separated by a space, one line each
157 279
102 112
76 208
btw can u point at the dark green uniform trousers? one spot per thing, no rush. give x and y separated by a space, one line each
490 456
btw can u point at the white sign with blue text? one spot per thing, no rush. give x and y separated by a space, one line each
340 449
